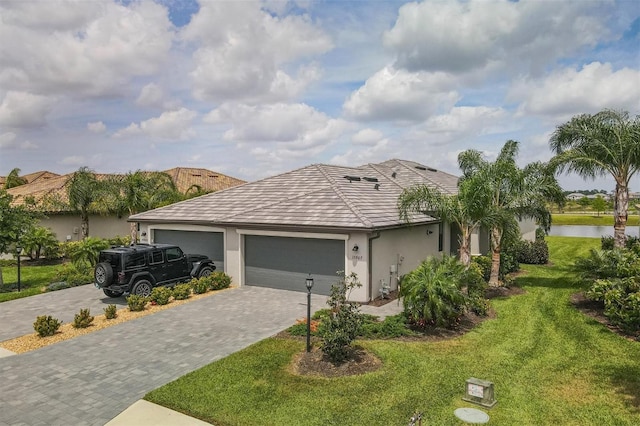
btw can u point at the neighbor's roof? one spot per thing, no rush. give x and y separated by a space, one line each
32 177
52 189
316 196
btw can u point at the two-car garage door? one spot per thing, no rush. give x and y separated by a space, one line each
285 263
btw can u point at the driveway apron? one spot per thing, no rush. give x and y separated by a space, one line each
89 380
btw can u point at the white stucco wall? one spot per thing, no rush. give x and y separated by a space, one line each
528 229
403 250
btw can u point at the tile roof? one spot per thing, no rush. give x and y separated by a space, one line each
32 177
316 196
51 189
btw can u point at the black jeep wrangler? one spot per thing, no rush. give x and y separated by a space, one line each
138 268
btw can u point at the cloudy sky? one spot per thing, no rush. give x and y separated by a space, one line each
255 88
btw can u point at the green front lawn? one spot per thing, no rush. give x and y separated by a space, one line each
551 365
32 279
590 219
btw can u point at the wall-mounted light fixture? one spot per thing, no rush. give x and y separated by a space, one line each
355 247
429 232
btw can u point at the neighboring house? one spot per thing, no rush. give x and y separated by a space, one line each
575 196
32 177
50 192
316 220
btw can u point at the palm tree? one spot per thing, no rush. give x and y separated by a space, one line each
466 209
83 189
512 194
139 191
606 143
14 179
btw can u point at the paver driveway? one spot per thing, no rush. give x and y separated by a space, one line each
91 379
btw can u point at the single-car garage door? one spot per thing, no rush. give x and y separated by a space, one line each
285 263
195 242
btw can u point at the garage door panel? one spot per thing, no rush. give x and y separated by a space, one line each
195 242
285 263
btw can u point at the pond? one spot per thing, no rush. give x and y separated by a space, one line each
588 231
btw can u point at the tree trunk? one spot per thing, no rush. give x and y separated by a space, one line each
84 224
496 247
620 208
133 227
465 247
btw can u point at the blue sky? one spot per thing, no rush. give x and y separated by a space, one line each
255 88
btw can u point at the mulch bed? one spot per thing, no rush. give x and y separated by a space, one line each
595 310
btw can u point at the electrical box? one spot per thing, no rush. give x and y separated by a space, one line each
393 269
479 392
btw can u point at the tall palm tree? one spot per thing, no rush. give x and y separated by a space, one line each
14 179
606 143
83 189
466 209
139 191
512 193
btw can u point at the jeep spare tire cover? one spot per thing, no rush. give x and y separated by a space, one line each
103 273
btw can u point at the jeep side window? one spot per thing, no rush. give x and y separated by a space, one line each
173 253
134 260
155 257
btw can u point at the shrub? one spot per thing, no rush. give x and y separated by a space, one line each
219 280
85 253
602 264
136 303
476 289
72 275
200 285
119 240
532 252
182 291
622 307
58 285
484 262
160 295
431 293
82 319
38 240
540 234
340 328
300 327
111 312
391 327
46 325
606 242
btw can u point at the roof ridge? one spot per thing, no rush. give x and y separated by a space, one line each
437 185
345 199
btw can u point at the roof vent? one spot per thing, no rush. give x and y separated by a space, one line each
352 178
368 179
376 186
195 175
431 169
421 168
394 174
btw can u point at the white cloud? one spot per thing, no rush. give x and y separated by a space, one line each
7 140
457 36
96 127
81 48
367 137
398 95
173 125
150 95
297 123
567 92
74 160
23 110
246 54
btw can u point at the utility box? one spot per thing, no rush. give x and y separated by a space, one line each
480 392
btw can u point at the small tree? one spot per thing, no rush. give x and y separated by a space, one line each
341 327
599 204
15 221
39 240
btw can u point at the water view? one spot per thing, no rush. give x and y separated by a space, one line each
588 231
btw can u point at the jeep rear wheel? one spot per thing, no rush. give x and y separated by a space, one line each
205 272
103 274
112 293
142 288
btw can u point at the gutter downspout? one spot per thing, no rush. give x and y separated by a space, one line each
370 263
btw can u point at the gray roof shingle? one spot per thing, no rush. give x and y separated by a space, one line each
316 196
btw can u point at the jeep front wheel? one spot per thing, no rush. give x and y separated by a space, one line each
142 288
205 272
103 274
112 293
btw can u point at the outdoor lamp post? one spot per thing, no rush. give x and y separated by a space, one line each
18 251
309 285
